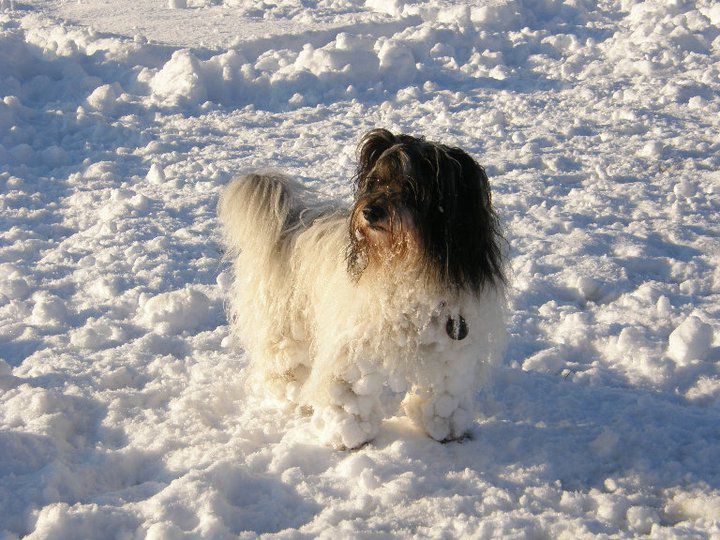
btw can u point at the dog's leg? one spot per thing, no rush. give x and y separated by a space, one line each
285 365
285 386
261 220
353 413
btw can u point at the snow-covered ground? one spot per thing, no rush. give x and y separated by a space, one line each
122 413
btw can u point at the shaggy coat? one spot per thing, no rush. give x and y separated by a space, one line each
400 297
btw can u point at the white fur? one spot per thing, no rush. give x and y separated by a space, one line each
318 338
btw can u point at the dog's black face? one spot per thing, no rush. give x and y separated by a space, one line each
426 203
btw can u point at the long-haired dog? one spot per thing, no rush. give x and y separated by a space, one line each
401 294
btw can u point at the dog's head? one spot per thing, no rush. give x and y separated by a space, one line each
427 205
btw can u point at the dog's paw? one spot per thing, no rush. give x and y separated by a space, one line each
447 430
343 448
342 430
467 436
440 416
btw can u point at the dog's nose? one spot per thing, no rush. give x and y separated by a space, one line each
374 213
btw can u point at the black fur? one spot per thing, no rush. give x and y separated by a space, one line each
448 195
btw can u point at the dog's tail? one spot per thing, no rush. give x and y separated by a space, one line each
258 211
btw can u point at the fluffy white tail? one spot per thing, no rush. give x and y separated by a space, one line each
257 211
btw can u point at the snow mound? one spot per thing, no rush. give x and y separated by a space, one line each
176 311
104 97
690 341
48 310
182 80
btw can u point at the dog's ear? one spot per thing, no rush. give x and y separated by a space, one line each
370 148
473 227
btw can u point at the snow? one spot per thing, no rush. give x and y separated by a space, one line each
122 406
691 340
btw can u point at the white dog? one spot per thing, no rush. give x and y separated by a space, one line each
402 294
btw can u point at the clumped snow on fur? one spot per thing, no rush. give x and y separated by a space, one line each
122 409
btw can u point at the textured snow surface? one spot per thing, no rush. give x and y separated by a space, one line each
122 411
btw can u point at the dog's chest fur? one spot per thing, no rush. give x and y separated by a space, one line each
375 315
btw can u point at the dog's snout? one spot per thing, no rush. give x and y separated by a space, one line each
374 213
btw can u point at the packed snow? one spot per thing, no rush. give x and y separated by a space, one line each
123 412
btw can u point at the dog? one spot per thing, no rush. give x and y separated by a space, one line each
399 297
